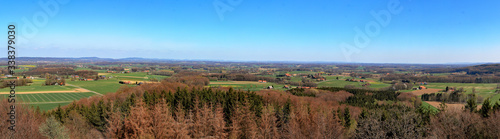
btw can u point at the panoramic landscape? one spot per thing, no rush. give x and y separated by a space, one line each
250 69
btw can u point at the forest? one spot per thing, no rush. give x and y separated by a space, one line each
202 100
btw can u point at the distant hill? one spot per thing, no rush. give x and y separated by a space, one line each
471 70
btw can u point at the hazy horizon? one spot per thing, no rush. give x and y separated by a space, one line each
416 31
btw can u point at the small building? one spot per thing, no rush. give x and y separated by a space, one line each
286 87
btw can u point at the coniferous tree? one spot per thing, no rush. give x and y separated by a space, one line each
471 103
485 108
347 118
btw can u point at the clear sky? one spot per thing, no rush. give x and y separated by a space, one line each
418 31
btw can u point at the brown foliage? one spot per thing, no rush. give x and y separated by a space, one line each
267 124
313 123
207 122
460 124
160 122
27 121
336 96
243 123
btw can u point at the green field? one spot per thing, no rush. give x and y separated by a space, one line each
48 101
433 109
135 76
99 86
50 97
331 81
485 90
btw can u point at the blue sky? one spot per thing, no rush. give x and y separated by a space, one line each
422 31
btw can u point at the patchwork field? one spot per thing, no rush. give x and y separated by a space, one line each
483 90
136 76
245 85
331 81
50 97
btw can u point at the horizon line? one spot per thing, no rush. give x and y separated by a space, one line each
270 61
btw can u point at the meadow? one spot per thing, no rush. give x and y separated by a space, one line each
100 86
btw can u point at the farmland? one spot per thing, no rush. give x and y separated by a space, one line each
362 91
245 85
331 81
483 90
51 96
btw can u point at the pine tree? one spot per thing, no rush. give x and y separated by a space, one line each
146 98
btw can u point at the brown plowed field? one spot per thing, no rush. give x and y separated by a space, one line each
424 91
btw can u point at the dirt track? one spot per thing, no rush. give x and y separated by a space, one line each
77 90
